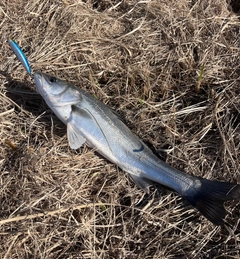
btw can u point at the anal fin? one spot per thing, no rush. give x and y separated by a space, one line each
141 182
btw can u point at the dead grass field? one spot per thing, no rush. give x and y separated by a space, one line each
171 69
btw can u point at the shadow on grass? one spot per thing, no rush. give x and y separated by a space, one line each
24 97
235 6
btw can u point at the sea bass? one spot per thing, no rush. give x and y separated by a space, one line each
90 121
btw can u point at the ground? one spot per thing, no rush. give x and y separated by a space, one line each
171 70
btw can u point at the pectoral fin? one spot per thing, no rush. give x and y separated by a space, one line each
75 139
85 121
77 117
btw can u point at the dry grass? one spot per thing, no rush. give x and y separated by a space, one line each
171 68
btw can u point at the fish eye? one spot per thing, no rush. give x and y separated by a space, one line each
53 79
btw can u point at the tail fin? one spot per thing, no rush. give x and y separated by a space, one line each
208 197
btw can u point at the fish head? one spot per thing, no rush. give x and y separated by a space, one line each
56 91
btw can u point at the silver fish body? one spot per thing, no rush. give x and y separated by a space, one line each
90 121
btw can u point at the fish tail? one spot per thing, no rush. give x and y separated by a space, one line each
209 196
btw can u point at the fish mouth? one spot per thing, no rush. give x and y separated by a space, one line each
38 81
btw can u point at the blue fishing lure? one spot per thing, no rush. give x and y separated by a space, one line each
20 55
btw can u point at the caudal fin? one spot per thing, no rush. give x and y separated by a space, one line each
208 197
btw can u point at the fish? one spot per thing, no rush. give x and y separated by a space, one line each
20 55
90 121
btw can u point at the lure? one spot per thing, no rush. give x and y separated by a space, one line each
20 55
